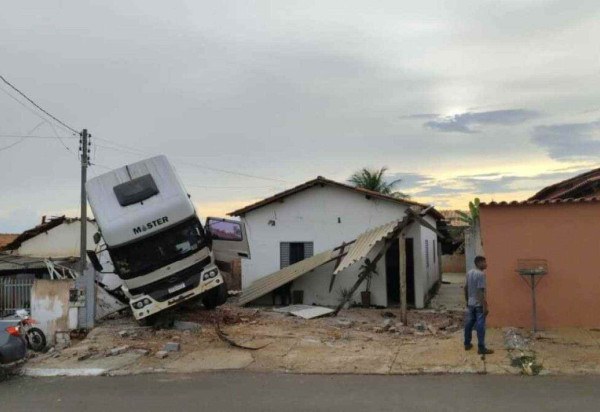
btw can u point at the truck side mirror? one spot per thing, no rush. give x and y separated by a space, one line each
97 237
94 260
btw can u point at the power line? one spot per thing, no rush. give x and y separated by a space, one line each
141 153
37 105
56 136
25 136
21 140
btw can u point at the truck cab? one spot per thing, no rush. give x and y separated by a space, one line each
158 246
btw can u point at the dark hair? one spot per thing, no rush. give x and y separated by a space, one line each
479 259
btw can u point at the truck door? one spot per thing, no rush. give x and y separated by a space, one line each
229 240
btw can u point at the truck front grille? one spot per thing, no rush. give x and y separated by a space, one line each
159 290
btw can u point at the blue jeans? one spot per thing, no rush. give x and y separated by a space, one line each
475 318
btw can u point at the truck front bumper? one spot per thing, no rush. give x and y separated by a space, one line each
144 305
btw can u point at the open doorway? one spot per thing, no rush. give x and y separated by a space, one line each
392 272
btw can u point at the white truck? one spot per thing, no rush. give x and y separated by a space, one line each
157 244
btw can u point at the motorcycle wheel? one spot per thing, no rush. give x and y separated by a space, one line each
36 340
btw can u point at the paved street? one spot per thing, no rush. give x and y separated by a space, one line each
278 392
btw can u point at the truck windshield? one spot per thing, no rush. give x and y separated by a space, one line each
158 250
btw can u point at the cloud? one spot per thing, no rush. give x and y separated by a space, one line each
490 184
421 116
409 180
569 141
462 123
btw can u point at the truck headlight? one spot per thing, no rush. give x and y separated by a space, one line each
141 303
210 274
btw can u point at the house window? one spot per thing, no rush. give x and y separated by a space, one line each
294 252
427 253
434 252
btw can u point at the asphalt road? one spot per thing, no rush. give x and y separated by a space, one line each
248 392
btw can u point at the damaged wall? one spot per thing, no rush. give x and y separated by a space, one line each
50 306
59 242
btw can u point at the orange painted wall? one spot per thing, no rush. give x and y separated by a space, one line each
568 236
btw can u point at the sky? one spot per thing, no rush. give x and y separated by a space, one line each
494 99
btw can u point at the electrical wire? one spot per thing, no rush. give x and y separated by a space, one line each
182 162
56 136
37 105
26 136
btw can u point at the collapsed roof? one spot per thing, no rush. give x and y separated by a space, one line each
344 256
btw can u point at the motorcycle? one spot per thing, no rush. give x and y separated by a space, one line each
36 340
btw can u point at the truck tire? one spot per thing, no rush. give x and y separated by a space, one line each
215 297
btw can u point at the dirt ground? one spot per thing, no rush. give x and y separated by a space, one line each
366 341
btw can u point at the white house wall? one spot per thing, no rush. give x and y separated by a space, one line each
312 216
59 242
431 273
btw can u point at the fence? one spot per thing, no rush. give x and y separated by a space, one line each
454 264
15 294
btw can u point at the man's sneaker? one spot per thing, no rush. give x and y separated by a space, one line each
485 351
468 347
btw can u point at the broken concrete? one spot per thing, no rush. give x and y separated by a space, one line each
119 350
172 347
187 326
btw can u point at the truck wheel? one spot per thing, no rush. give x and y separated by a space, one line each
215 297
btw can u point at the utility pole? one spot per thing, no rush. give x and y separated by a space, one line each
89 279
84 164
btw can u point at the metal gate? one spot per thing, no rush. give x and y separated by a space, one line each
14 294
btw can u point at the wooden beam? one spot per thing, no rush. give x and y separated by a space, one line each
366 273
425 223
403 291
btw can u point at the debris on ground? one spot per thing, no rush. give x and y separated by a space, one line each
387 324
172 347
520 350
187 326
344 323
223 336
119 350
420 326
161 354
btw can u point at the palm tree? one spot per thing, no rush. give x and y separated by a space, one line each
373 179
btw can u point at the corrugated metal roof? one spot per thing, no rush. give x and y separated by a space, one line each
592 199
271 282
364 243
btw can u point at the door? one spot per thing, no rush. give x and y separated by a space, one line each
410 271
392 272
229 240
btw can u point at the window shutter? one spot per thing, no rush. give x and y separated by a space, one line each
427 252
308 249
284 254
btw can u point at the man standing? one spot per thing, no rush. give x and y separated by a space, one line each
477 308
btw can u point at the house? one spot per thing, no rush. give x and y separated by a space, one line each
55 238
581 186
6 238
558 233
321 214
